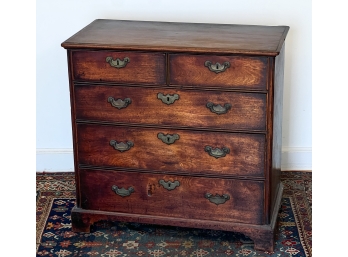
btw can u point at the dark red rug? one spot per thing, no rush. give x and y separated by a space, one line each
56 197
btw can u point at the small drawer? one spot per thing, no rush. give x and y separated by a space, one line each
239 72
119 67
180 151
229 200
165 106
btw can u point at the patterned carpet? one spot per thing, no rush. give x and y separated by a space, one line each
56 197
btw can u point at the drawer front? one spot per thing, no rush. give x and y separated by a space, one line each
182 151
219 71
119 67
173 196
220 110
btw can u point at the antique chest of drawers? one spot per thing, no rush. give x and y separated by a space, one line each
178 124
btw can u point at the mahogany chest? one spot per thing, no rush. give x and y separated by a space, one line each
178 124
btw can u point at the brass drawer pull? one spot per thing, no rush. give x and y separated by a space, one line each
217 152
119 103
122 147
168 139
217 67
217 199
168 99
122 191
217 108
117 63
169 185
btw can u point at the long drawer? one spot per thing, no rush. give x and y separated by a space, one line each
242 72
119 67
181 151
173 196
163 106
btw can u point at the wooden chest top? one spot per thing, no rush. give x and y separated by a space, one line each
178 37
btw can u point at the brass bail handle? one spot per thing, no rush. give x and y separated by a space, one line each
217 199
122 191
217 152
121 146
119 103
217 108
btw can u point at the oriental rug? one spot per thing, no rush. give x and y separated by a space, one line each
56 196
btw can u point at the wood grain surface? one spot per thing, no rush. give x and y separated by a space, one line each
248 73
147 68
185 155
185 201
180 37
248 111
